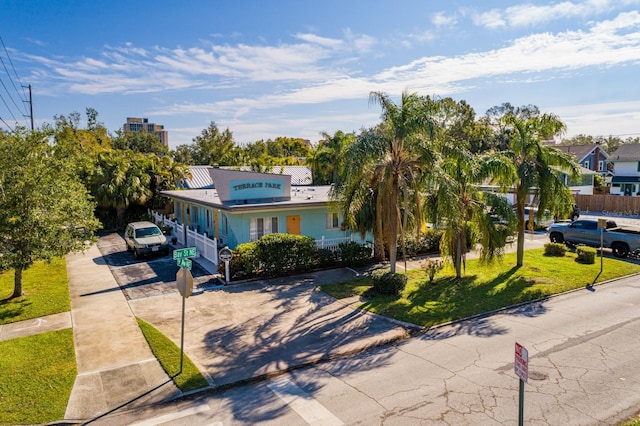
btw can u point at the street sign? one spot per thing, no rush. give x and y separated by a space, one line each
184 253
184 263
184 280
225 254
521 365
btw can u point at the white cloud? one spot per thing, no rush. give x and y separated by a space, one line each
441 19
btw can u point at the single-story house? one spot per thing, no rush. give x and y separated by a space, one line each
626 170
242 206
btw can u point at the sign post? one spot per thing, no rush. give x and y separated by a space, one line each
226 255
521 368
184 281
602 225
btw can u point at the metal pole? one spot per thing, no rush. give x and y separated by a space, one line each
31 106
521 405
227 277
182 337
601 247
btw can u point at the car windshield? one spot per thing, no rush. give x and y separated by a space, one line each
147 232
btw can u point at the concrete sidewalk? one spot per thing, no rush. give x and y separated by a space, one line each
115 364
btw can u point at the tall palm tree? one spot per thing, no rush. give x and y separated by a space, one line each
460 200
536 165
386 165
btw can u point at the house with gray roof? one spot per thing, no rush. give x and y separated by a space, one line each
626 170
591 157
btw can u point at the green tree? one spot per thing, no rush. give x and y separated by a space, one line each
326 161
466 207
213 147
536 165
386 165
120 179
45 211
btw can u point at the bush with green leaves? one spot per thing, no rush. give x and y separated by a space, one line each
280 254
354 254
555 249
244 263
386 282
428 242
586 255
327 257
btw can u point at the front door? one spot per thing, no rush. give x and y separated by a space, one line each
293 225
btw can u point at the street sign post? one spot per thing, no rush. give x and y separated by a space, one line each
184 280
602 225
184 253
225 255
521 368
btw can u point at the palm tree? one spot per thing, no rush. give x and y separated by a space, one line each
536 165
120 179
327 158
386 165
460 200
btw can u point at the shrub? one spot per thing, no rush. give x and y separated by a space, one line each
385 282
244 263
429 242
431 267
586 255
326 257
354 254
555 249
280 254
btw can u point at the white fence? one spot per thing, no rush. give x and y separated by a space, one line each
332 243
205 247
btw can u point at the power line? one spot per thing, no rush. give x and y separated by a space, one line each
6 124
14 72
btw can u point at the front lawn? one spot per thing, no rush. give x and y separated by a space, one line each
36 377
46 292
483 288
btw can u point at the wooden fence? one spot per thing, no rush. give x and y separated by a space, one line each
609 204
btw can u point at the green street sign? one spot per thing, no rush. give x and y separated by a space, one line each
184 253
184 263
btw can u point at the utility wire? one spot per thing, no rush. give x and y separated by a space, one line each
25 99
6 124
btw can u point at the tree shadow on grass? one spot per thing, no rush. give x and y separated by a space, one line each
12 308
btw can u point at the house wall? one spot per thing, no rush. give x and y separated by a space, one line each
234 227
626 168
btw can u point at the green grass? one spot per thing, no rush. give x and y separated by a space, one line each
168 354
483 287
46 290
36 377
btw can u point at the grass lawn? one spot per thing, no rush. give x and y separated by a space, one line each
46 292
483 287
168 354
36 377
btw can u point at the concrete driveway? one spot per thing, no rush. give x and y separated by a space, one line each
248 330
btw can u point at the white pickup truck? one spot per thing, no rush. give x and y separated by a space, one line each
622 241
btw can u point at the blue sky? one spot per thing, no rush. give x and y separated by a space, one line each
297 68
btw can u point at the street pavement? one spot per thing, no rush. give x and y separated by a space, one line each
235 334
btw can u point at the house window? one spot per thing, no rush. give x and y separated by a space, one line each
261 226
600 165
332 220
586 164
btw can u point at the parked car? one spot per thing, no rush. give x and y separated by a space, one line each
145 238
542 222
622 241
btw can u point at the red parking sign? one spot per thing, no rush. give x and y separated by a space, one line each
521 365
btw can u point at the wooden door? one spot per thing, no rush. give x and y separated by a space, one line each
293 225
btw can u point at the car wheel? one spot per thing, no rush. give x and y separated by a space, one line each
620 250
556 237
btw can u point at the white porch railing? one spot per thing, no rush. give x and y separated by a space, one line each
332 243
205 247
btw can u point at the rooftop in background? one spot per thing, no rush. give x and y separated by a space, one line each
626 152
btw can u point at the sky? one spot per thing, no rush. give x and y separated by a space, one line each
295 68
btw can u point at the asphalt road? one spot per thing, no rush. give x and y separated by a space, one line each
146 277
583 370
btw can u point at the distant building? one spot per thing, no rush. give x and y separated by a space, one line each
135 124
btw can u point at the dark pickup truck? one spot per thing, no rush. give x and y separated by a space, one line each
622 241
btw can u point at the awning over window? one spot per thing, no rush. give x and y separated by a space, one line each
625 179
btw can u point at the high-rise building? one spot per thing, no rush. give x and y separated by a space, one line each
135 124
